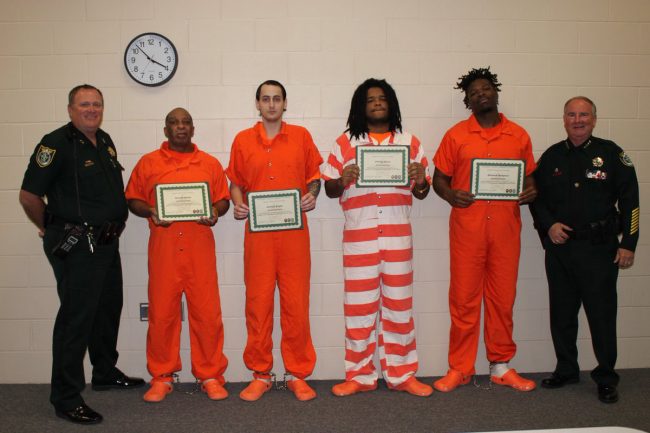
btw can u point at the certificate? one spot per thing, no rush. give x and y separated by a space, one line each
497 179
274 210
183 201
383 165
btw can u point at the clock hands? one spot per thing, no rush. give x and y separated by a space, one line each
157 63
151 59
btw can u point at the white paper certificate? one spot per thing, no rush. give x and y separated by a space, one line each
383 165
274 210
183 201
497 179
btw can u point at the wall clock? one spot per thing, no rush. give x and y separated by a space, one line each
151 59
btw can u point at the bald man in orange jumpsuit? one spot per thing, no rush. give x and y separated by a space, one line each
484 235
181 260
276 156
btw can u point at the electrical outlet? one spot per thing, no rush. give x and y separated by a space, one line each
144 311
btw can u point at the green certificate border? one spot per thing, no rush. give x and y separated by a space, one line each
404 150
477 163
160 201
253 197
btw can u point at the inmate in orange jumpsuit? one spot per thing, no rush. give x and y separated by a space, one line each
182 260
289 161
484 243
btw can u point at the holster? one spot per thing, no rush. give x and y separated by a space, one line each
72 234
108 232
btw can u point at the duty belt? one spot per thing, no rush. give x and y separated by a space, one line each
102 234
597 231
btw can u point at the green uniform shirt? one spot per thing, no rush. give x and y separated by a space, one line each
51 173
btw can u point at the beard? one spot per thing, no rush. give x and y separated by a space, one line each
483 109
377 120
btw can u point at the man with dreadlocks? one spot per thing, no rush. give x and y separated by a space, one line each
484 235
377 247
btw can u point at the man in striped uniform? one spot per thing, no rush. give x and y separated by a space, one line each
377 246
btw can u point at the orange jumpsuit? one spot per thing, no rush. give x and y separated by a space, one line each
289 161
182 260
484 243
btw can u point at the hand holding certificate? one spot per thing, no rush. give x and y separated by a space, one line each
382 165
497 179
274 210
183 201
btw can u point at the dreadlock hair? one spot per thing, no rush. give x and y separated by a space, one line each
357 122
476 74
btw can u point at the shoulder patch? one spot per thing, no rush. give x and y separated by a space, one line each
44 156
625 159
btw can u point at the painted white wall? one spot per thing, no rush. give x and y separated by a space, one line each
543 52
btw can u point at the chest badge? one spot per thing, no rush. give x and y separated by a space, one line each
89 163
111 152
45 156
597 161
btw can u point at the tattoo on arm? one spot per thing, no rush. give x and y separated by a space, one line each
314 187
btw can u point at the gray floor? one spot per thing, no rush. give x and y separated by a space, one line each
25 408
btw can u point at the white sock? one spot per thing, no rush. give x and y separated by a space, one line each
498 369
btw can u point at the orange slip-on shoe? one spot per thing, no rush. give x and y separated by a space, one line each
157 392
255 390
512 379
452 380
301 390
414 387
214 389
351 387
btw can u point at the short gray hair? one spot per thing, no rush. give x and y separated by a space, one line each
582 98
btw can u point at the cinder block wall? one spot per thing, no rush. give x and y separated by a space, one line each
544 52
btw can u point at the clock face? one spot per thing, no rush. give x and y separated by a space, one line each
151 59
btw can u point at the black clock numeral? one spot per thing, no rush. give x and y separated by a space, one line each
150 41
135 69
160 75
151 77
169 59
141 43
135 50
166 50
132 59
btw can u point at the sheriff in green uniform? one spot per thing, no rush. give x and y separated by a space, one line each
76 169
588 195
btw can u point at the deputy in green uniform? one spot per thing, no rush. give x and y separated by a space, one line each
76 169
587 195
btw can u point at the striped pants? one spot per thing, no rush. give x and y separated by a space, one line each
378 304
